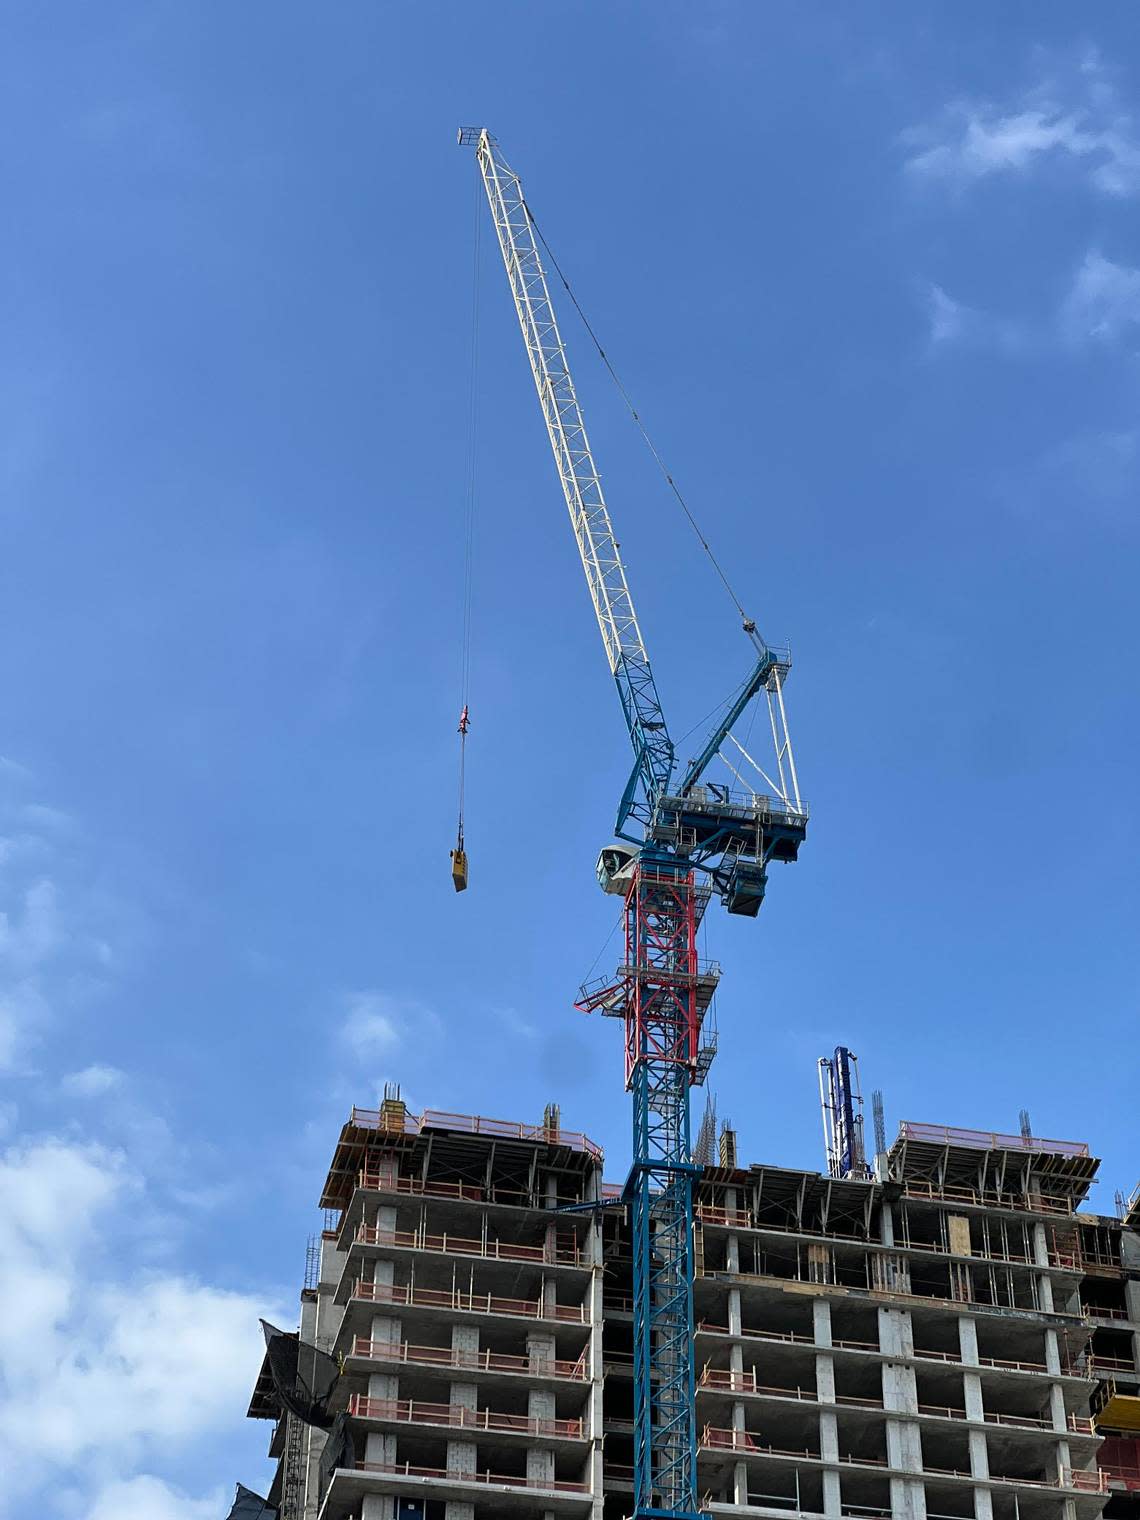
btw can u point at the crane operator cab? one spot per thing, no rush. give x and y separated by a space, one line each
615 868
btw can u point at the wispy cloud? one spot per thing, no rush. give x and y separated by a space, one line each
1077 119
377 1023
92 1082
53 950
952 322
1104 302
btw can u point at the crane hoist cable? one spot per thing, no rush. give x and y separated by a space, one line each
748 624
459 853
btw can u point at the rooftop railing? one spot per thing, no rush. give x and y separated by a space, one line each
989 1140
472 1124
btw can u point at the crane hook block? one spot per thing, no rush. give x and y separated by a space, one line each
459 869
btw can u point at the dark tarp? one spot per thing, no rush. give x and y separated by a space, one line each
339 1451
248 1506
303 1377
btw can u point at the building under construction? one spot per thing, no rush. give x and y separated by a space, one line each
489 1328
948 1336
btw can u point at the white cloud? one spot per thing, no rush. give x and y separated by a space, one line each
1104 302
34 933
1078 120
376 1022
53 952
147 1498
105 1371
91 1082
947 316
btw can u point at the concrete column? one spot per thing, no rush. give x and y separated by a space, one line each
594 1361
1041 1257
829 1452
1061 1458
1052 1353
1057 1411
465 1345
734 1311
900 1399
462 1454
380 1449
378 1507
972 1397
968 1341
736 1363
549 1295
978 1447
540 1461
382 1385
386 1330
732 1250
886 1224
825 1392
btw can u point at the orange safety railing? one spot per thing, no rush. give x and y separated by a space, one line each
508 1480
990 1140
707 1327
476 1361
456 1417
1102 1311
480 1303
718 1439
1094 1482
458 1245
474 1124
709 1213
719 1380
1033 1203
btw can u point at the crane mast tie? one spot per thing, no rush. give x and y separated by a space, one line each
749 625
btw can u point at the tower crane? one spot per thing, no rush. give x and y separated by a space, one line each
683 837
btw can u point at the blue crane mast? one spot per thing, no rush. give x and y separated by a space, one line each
684 836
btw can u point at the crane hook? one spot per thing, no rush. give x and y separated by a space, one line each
459 854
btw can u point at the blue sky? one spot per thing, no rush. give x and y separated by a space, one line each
873 276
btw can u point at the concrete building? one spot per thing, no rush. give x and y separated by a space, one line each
953 1340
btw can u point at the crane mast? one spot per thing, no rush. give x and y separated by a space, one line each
697 836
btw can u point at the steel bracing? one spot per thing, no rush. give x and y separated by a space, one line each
697 836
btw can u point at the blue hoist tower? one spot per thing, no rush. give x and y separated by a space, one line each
684 836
